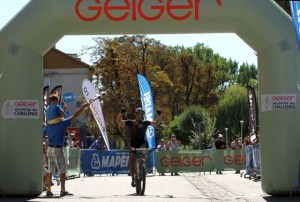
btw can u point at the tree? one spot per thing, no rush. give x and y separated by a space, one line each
196 81
193 126
285 5
232 108
119 61
246 73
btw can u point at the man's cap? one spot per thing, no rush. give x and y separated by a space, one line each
220 135
53 96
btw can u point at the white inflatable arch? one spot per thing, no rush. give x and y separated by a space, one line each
260 23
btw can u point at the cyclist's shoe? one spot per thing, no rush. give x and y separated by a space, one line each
65 193
133 183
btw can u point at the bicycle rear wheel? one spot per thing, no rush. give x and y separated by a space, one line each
140 178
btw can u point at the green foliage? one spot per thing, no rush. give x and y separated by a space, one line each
194 126
246 74
232 108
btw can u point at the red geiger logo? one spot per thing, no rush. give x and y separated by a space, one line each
136 8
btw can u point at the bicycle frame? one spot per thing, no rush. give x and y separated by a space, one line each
140 170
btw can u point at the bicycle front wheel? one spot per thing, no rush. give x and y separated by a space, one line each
140 178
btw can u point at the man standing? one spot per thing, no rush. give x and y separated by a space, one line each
220 144
136 136
236 144
173 145
55 129
162 147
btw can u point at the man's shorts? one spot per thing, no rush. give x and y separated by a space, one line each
56 160
45 171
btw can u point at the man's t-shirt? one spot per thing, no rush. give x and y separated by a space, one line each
220 144
137 132
53 111
56 132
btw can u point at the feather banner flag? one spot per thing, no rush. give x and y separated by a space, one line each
295 11
46 93
93 98
148 107
252 109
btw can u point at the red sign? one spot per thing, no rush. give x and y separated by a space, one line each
136 8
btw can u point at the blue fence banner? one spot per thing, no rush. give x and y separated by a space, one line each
295 10
148 107
108 162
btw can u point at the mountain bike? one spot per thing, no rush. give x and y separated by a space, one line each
140 170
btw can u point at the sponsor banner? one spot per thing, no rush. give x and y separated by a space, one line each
20 109
105 162
90 92
252 108
199 160
295 11
117 161
271 102
68 97
148 107
46 93
138 10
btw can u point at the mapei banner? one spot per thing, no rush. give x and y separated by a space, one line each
108 162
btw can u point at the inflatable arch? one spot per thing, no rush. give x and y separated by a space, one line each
260 23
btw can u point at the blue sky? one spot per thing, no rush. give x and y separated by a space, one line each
238 50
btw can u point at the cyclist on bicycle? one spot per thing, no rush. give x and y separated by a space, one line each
136 134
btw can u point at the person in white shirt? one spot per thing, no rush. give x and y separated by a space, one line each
173 146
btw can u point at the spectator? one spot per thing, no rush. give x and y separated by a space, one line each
236 144
173 145
55 129
255 152
220 144
249 155
162 147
